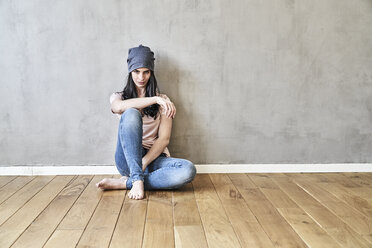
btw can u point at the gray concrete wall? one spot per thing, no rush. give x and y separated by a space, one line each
274 81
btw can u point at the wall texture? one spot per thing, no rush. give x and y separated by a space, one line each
273 81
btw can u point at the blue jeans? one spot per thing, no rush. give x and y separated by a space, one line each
162 173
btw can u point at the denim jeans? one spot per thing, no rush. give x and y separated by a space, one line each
162 173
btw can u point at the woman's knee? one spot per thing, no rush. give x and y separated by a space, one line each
132 112
189 170
131 116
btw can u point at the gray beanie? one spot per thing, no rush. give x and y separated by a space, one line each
139 57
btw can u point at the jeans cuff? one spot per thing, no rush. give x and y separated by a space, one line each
133 179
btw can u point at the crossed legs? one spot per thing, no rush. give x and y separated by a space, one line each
163 173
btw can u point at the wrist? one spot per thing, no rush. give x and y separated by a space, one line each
156 101
144 162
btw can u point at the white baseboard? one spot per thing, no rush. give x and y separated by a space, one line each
201 168
282 168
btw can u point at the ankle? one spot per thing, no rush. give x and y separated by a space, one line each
137 182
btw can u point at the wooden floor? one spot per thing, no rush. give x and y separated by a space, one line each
216 210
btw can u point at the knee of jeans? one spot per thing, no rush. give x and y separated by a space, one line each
189 170
131 116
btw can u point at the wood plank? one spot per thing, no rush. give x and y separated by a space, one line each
13 186
4 180
338 178
278 198
261 207
343 180
245 224
188 229
217 227
241 181
368 238
43 226
363 182
277 228
77 218
277 174
341 232
131 222
100 228
367 174
16 224
184 207
356 220
229 195
262 181
310 232
349 197
362 179
79 215
17 200
64 238
272 191
363 192
327 178
159 220
185 236
337 229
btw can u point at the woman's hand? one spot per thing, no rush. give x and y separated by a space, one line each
167 105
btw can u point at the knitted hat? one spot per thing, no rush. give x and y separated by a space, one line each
139 57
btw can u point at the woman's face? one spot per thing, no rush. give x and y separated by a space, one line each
141 77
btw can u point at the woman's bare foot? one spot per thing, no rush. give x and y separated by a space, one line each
137 192
113 183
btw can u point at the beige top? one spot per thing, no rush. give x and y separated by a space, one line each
150 126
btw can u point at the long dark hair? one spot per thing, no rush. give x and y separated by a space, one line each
152 89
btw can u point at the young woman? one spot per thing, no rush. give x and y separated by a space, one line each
142 156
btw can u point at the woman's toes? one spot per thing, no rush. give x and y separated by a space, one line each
100 183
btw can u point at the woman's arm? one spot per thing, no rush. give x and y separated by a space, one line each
165 129
118 106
